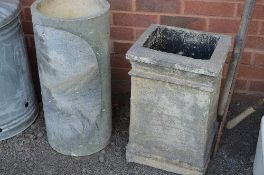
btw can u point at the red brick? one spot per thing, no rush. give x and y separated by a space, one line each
249 98
163 6
228 57
139 32
256 86
139 21
111 19
119 61
32 54
185 22
253 27
125 19
255 42
124 5
223 25
120 33
246 57
120 74
222 85
209 8
27 27
26 14
121 48
30 41
230 26
27 2
225 70
258 11
251 72
241 85
232 42
34 71
121 86
262 29
259 60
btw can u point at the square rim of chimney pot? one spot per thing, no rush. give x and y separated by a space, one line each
210 67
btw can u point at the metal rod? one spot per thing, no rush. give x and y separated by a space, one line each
240 42
235 121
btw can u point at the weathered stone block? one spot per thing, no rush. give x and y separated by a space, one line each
176 76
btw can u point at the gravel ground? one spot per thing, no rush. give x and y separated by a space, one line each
30 154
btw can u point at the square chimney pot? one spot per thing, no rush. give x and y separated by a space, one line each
175 85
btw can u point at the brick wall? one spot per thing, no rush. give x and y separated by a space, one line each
129 18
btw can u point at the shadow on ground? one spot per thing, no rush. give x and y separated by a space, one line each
30 154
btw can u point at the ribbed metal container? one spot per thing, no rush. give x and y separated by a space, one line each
74 69
18 108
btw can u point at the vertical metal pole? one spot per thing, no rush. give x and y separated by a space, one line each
240 42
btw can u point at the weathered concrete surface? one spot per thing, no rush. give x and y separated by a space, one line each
74 69
18 108
174 105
